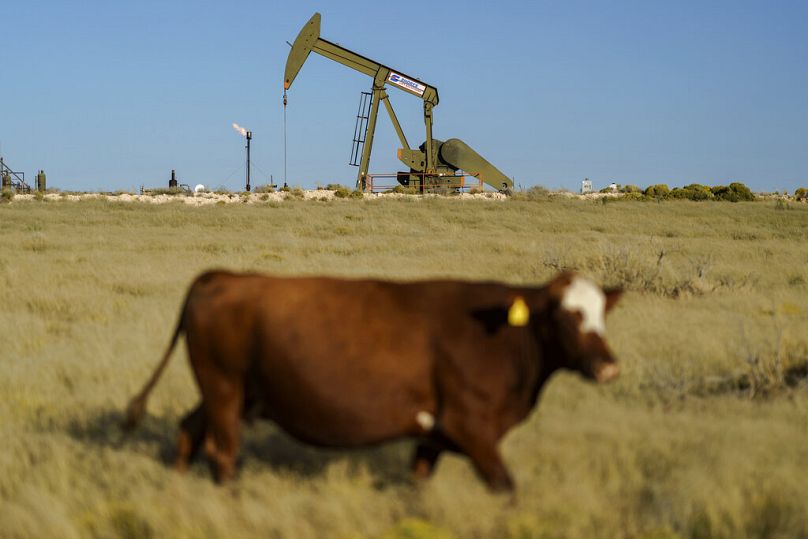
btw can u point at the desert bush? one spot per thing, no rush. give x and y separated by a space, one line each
735 192
801 193
7 195
630 189
344 192
401 190
266 188
633 195
297 192
537 192
694 191
171 191
340 191
659 190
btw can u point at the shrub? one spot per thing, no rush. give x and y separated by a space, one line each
268 188
400 189
297 192
743 192
699 192
537 192
659 190
335 186
6 195
694 191
340 191
630 189
633 195
735 192
171 191
801 193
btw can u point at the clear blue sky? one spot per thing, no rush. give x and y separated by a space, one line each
111 94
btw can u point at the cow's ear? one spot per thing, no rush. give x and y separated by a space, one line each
517 315
612 295
491 318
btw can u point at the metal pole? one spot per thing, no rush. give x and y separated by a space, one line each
249 138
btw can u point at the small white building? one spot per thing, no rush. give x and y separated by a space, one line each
586 186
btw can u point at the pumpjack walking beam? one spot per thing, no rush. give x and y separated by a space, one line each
309 40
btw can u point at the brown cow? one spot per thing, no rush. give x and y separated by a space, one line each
346 363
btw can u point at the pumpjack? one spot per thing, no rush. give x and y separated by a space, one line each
435 163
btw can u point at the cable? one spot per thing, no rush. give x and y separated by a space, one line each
262 171
238 169
284 137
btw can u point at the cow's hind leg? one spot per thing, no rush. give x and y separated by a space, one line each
224 426
424 459
192 432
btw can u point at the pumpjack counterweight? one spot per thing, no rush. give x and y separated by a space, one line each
431 164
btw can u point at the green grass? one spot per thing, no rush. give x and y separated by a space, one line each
704 434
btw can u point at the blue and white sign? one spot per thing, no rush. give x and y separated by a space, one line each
405 83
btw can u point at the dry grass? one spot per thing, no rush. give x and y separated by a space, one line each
704 435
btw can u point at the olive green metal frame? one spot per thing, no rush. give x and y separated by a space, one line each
309 40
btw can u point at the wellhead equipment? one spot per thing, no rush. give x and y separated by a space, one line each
435 163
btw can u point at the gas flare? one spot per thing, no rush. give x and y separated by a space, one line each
241 130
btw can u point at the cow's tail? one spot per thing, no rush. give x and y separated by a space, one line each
137 406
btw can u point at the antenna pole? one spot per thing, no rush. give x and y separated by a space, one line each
249 138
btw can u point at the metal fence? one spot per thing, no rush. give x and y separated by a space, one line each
379 183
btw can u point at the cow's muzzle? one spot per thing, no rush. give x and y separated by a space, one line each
607 372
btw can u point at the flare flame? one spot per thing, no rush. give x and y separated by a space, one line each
241 130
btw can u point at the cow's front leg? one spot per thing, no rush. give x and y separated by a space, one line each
485 457
477 438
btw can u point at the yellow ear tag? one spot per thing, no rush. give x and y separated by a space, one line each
519 313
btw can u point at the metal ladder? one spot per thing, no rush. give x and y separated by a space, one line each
361 128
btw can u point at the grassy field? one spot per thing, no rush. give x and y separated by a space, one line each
704 435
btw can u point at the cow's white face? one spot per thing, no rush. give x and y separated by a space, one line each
585 297
585 305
